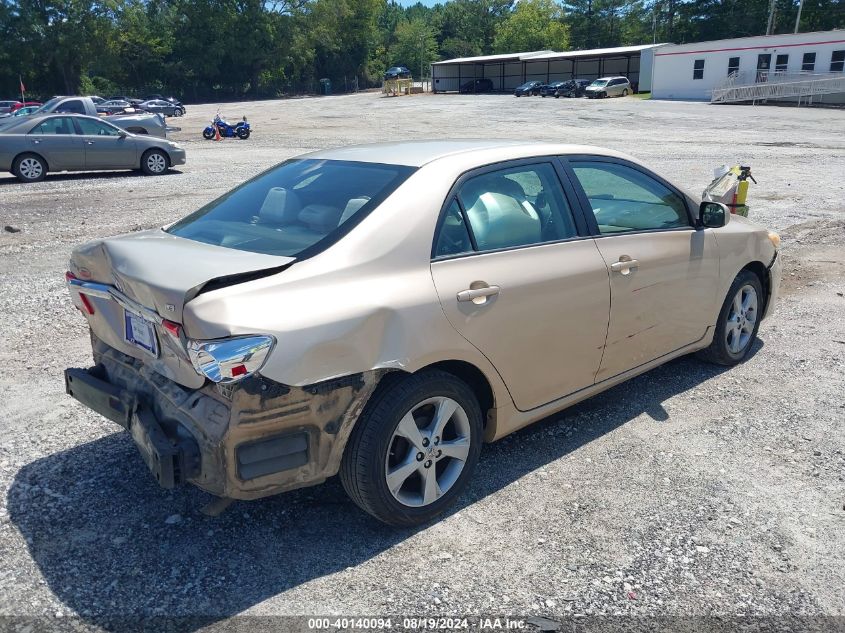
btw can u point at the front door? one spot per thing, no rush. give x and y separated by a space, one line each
517 280
106 147
55 140
663 272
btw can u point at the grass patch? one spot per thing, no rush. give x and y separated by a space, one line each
642 95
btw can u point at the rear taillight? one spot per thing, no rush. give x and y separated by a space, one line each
230 359
87 306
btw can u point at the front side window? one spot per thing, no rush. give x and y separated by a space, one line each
91 127
808 63
54 125
837 61
625 199
518 206
300 204
698 69
733 65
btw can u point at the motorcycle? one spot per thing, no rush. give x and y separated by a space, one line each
240 130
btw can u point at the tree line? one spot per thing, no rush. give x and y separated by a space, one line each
229 49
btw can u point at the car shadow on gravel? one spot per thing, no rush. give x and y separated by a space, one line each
89 175
114 547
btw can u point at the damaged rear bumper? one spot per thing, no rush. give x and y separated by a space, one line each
243 441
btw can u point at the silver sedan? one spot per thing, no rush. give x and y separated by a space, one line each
72 142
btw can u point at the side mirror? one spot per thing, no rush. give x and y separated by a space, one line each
122 134
712 215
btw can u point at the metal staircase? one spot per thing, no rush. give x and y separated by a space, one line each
762 85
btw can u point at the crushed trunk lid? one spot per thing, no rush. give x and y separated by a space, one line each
163 272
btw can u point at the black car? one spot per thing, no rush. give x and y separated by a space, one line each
528 89
397 72
131 100
157 97
477 85
572 88
549 89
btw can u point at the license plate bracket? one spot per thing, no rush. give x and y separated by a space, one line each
140 333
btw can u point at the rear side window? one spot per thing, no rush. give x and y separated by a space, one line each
625 199
453 237
54 125
296 206
517 206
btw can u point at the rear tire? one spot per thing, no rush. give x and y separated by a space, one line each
29 168
243 133
739 320
154 162
396 465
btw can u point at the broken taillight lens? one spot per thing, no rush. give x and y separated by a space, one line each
230 359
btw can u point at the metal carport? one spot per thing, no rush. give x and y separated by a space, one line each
510 70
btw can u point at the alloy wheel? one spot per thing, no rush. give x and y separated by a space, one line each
31 168
156 163
427 452
742 318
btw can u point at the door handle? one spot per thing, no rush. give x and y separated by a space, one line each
624 265
36 141
89 142
478 293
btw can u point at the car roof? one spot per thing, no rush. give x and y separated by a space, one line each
419 153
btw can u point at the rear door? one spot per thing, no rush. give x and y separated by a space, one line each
663 272
55 139
520 280
105 147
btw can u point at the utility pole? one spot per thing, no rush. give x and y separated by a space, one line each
798 17
654 22
770 27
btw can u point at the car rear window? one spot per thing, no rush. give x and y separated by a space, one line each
294 209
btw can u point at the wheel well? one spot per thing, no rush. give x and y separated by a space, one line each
31 154
762 273
472 376
152 149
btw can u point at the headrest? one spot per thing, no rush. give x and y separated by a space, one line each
280 206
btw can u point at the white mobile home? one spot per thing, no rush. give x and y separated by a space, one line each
693 71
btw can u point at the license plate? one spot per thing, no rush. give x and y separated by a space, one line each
140 333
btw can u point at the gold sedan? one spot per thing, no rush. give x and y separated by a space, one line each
379 311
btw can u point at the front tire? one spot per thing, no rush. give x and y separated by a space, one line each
414 448
154 162
739 319
625 92
208 133
29 168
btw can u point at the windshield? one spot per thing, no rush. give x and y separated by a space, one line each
599 83
294 206
48 106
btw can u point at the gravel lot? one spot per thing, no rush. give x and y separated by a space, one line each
688 491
